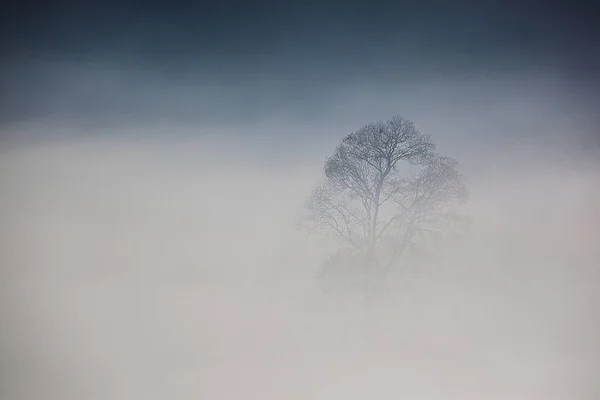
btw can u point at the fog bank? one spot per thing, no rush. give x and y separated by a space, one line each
137 268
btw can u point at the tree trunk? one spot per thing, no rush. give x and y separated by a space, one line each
370 275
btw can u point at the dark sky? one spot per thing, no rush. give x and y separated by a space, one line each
185 59
284 34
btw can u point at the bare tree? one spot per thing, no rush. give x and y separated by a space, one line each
385 190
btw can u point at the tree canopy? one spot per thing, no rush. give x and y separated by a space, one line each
386 189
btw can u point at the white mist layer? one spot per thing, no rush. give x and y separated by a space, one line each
139 270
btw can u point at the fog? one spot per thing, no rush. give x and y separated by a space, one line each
152 260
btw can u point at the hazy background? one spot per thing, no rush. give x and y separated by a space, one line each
154 158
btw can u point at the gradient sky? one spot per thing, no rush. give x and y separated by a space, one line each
309 63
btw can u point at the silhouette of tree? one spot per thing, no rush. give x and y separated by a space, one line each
385 190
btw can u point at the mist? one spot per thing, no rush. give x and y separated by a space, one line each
154 162
136 265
